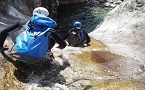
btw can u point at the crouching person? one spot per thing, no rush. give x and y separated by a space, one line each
77 37
36 40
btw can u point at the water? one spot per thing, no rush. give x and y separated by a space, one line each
89 15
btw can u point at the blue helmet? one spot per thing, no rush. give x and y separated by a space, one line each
77 24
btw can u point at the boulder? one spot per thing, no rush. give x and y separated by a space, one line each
123 29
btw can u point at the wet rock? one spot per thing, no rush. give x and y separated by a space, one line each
122 32
123 21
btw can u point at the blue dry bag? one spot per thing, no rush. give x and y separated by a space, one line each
34 41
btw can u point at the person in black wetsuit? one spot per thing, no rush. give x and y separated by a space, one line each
77 37
54 37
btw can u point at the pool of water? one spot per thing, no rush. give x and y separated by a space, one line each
89 15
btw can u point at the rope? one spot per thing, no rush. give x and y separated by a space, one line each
63 29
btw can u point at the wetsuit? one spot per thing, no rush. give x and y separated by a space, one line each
56 38
4 33
87 38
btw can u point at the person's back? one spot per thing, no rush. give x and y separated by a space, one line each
33 43
77 37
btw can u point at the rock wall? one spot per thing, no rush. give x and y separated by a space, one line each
123 29
27 6
71 1
110 3
23 6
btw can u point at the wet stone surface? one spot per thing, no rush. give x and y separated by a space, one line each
92 67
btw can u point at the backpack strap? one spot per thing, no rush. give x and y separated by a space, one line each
33 26
45 34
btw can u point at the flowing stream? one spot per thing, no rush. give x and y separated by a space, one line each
91 68
90 16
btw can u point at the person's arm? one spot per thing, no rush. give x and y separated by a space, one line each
86 36
59 40
4 33
67 34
